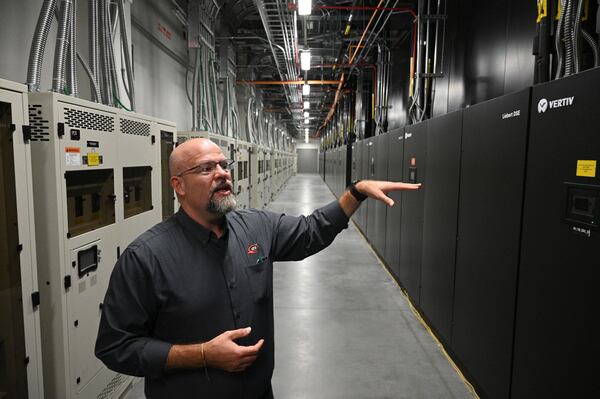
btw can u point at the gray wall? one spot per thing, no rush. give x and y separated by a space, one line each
307 160
159 78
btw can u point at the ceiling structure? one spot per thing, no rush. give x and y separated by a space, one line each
269 37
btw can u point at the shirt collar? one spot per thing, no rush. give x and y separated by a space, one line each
198 231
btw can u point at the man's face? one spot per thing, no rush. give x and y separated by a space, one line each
204 185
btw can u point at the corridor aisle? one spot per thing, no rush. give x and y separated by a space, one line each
342 327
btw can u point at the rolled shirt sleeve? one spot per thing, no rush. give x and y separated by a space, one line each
295 238
125 343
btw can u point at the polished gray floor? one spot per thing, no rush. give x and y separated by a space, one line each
342 327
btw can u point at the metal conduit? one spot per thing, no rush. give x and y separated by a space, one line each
60 53
38 44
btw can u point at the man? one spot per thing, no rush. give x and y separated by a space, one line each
189 305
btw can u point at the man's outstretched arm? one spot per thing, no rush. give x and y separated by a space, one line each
372 189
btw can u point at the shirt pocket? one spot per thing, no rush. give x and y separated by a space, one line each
260 276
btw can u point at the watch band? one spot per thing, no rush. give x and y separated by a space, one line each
360 197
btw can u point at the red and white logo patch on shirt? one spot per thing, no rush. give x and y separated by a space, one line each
252 249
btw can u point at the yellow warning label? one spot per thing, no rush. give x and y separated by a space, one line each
93 159
586 168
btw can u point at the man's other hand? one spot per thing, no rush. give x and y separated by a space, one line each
223 353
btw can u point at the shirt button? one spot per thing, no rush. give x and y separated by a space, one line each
231 284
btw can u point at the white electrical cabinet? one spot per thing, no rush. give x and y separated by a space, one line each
97 186
20 349
168 140
255 165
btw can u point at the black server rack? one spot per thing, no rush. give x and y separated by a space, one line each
411 230
339 170
490 208
440 221
377 210
347 166
556 336
322 164
364 174
358 174
395 168
334 171
370 205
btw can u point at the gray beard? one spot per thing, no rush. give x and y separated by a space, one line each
220 206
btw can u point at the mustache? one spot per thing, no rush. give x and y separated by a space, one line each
222 186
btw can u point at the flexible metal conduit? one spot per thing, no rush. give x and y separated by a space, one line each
72 55
93 45
575 36
38 44
60 53
558 42
568 38
125 43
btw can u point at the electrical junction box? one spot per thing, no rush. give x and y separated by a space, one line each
96 187
21 372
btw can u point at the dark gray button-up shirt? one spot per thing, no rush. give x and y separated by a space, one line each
179 284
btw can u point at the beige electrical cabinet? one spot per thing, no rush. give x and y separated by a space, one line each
96 187
20 349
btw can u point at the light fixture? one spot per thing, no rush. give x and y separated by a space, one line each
305 89
306 121
306 135
305 60
304 7
306 114
306 104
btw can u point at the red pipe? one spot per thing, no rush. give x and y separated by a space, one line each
365 8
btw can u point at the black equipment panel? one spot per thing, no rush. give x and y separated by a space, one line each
556 336
411 231
392 236
358 174
490 207
440 221
378 210
364 174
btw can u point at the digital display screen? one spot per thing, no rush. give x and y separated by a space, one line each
582 200
87 260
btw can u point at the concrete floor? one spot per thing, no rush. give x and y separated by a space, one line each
342 327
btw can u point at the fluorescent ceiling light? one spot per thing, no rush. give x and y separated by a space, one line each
306 114
306 104
305 89
304 7
305 60
306 121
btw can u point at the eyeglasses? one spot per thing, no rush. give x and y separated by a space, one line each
207 168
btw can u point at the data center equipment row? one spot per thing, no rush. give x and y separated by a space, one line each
79 182
499 248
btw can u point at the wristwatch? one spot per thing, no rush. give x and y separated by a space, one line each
360 197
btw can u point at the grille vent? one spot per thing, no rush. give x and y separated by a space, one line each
40 127
111 387
89 120
134 127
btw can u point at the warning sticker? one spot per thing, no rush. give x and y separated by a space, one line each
93 159
586 168
72 156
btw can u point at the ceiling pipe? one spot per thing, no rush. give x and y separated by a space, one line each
369 8
341 84
287 82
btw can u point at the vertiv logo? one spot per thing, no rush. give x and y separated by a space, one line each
544 104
